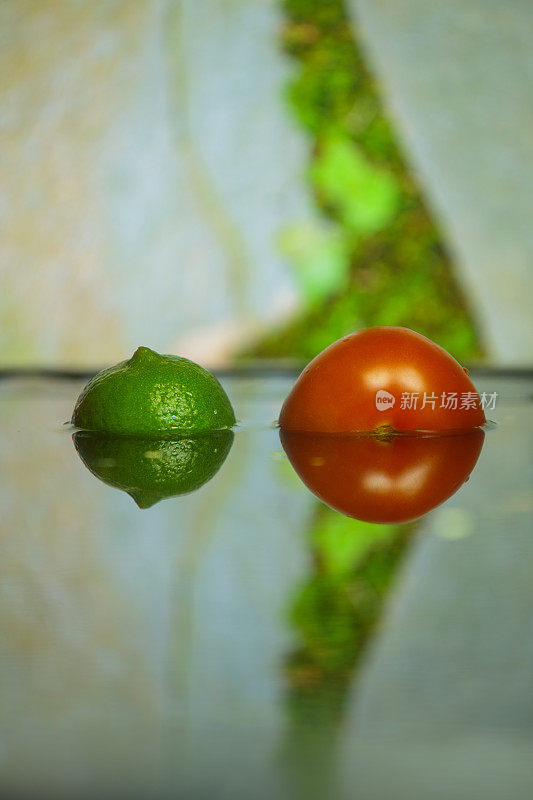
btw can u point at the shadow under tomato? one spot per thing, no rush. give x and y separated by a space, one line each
383 480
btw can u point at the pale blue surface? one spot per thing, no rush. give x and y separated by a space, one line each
143 652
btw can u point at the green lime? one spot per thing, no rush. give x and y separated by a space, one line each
152 393
150 468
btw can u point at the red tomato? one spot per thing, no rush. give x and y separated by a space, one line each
378 480
379 377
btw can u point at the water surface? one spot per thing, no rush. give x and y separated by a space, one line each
246 641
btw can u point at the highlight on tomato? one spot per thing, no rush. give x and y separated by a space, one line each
382 378
383 479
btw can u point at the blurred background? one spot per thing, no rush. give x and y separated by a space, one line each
241 179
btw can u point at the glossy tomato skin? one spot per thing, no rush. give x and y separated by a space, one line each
336 392
383 481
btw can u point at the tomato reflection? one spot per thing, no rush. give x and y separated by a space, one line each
383 480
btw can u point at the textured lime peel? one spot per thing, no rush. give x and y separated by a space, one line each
153 393
153 468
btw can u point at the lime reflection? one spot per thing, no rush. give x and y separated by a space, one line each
151 468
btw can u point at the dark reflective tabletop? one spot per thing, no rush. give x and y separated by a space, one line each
246 641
